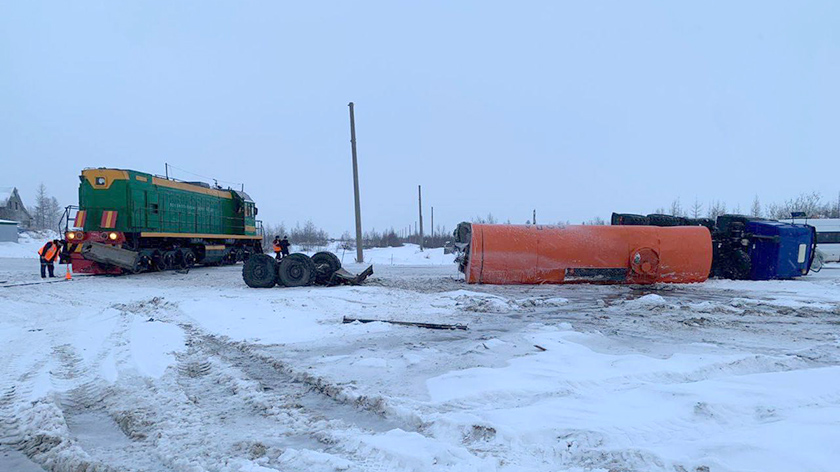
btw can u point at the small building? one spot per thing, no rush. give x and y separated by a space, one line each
12 207
8 231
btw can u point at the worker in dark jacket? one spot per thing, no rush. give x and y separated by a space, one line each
49 255
284 246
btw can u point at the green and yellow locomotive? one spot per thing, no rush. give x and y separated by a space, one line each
129 221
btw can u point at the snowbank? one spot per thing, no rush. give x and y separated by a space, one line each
28 244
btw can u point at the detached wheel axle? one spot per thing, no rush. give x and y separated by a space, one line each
296 270
260 271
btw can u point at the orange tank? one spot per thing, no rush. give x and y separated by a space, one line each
534 254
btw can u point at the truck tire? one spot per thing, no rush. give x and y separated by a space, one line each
326 264
738 266
295 270
260 271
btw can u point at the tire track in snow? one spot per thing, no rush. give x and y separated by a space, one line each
226 404
69 430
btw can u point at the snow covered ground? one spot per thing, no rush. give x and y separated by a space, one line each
197 372
408 254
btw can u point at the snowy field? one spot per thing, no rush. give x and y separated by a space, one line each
197 372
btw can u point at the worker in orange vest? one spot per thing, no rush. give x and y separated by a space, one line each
278 249
49 255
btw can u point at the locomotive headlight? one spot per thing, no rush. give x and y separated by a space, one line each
71 236
113 236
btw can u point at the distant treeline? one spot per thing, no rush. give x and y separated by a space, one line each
811 204
310 237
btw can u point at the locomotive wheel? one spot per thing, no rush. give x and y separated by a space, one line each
187 258
260 271
168 260
156 261
326 264
296 270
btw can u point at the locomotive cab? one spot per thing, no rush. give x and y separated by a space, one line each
246 212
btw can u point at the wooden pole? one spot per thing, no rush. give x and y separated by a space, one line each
359 255
433 222
420 207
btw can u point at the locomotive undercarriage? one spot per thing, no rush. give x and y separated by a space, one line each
131 253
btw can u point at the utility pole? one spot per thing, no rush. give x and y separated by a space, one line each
534 219
838 205
167 170
359 256
433 222
420 207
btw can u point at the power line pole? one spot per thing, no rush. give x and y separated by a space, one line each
359 256
534 220
433 222
420 207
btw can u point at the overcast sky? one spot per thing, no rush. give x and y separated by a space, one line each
576 109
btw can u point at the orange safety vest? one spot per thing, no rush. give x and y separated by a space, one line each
277 248
49 251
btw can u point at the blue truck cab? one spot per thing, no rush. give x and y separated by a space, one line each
779 250
745 247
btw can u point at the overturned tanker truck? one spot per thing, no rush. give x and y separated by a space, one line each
539 254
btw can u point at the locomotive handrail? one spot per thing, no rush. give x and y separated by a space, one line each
66 218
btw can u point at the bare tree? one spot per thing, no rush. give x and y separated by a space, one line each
755 210
46 212
597 221
490 219
696 209
808 203
308 237
715 209
676 207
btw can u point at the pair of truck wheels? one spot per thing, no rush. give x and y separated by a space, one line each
294 270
